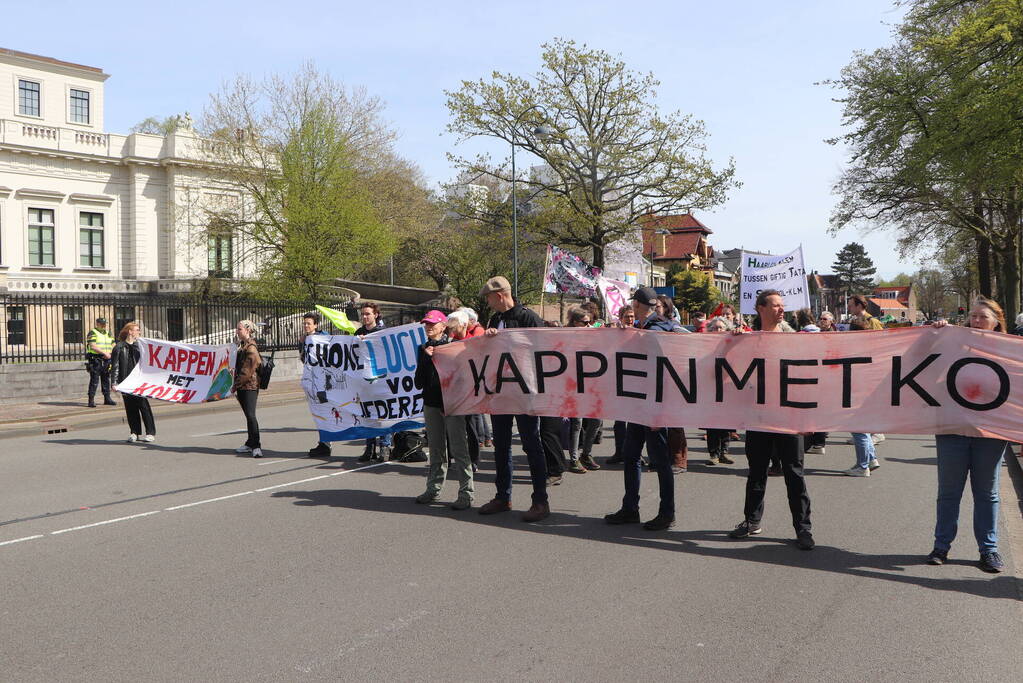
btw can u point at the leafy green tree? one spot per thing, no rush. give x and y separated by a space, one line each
695 291
854 271
610 156
900 280
155 125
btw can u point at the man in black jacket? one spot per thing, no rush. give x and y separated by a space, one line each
509 314
654 438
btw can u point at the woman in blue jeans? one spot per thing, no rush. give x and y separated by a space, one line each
978 457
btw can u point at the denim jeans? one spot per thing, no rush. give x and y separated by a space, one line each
482 427
656 442
582 433
529 433
864 446
981 459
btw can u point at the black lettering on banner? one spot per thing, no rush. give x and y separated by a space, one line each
909 380
506 361
335 356
478 378
621 372
786 381
847 364
580 372
403 405
541 374
688 392
1003 383
721 365
393 384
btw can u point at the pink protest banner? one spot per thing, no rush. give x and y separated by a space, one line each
904 381
181 373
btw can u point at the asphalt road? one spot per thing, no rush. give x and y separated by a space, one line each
179 560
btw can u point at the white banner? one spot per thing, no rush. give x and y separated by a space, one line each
784 273
363 387
615 294
181 373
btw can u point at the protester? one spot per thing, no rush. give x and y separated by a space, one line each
594 312
474 329
377 448
827 322
582 431
866 457
805 321
444 433
124 358
978 457
98 345
654 438
311 326
626 317
1019 325
666 309
626 320
246 384
857 305
717 439
815 442
762 445
728 312
699 319
510 314
458 325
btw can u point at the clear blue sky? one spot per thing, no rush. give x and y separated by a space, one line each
746 68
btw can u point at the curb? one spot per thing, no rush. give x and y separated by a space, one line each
85 420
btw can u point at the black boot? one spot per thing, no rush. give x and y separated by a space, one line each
92 402
369 452
107 401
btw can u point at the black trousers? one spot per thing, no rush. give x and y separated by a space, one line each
139 413
717 441
99 373
550 438
473 441
247 400
761 448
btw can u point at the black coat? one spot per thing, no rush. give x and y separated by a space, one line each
123 360
516 316
427 378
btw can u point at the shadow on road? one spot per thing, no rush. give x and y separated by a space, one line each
766 550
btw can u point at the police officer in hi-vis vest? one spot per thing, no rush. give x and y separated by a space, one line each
99 344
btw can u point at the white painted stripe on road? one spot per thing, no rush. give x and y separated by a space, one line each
233 431
269 462
19 540
108 521
208 500
292 483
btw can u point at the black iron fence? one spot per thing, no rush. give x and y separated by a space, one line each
47 328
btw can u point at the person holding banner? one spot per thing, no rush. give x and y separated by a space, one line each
124 358
762 446
377 448
246 384
311 326
443 432
654 438
974 456
511 314
717 439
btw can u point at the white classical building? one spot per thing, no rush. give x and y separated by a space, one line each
84 210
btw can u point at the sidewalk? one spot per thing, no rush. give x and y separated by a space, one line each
54 417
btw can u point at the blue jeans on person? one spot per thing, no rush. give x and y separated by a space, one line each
656 442
864 446
384 440
529 434
981 459
483 432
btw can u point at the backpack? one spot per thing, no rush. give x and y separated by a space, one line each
265 370
408 447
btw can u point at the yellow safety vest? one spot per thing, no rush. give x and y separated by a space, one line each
103 341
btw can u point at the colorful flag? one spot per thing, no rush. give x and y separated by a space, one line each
569 274
339 319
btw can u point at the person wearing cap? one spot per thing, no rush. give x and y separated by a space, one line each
443 432
99 345
509 314
654 438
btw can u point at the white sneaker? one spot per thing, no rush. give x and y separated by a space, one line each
243 449
257 452
132 438
149 438
857 471
815 450
874 464
877 438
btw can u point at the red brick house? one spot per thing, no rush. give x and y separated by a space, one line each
677 239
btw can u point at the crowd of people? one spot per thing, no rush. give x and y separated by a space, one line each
557 444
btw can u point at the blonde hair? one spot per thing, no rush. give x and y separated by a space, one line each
993 306
248 325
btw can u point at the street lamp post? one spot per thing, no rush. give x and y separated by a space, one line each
540 132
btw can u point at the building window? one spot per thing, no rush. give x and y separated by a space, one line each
28 98
40 237
15 325
175 324
79 106
220 256
90 239
122 316
73 333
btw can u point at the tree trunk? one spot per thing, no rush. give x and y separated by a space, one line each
984 265
1008 278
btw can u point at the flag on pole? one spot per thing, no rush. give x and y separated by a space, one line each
339 319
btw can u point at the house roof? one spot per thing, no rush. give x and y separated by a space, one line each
682 221
826 281
888 304
901 293
49 60
682 240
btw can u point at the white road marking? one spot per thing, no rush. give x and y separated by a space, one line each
208 500
269 462
108 521
233 431
292 483
19 540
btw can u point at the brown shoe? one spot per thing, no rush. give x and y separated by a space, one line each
495 506
537 512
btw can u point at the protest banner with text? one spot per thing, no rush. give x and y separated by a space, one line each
181 373
784 273
920 380
360 387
